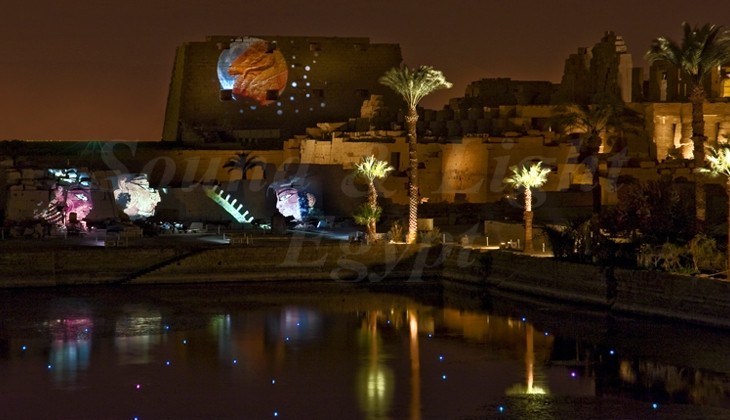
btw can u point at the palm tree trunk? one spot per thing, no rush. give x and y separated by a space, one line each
528 220
373 203
697 97
411 120
727 261
528 232
595 185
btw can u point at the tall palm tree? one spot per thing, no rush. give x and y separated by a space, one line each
413 85
702 50
528 177
718 160
371 169
594 121
243 161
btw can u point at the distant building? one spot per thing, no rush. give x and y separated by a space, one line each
606 69
260 90
310 108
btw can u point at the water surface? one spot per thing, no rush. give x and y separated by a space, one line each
289 350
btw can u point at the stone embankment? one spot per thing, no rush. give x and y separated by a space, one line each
693 299
697 300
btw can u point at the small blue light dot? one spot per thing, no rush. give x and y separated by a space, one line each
443 377
501 409
49 366
273 381
298 324
24 348
572 374
287 339
524 319
276 413
185 341
167 327
430 335
388 321
167 363
441 357
655 406
546 334
611 352
235 361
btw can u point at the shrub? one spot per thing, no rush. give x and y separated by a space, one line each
396 231
705 255
430 236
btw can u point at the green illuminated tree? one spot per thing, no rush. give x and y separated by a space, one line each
413 85
701 51
528 177
718 160
370 169
244 162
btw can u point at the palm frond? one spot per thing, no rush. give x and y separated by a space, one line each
371 168
414 85
718 159
528 176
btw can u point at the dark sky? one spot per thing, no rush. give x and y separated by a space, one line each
100 69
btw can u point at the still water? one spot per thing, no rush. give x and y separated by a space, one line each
328 351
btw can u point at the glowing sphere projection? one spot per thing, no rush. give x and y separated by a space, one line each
253 69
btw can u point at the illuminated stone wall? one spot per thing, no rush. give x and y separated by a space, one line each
327 80
671 125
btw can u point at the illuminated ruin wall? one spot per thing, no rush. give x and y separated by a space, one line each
671 127
230 89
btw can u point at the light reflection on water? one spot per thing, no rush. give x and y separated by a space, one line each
325 355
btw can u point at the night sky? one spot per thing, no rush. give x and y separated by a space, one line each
100 69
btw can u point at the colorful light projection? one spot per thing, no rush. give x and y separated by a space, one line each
294 200
71 199
238 212
135 197
253 68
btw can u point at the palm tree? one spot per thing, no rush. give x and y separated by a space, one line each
371 169
413 85
528 177
718 160
594 121
702 50
243 161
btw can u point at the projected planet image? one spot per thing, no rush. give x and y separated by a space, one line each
253 68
